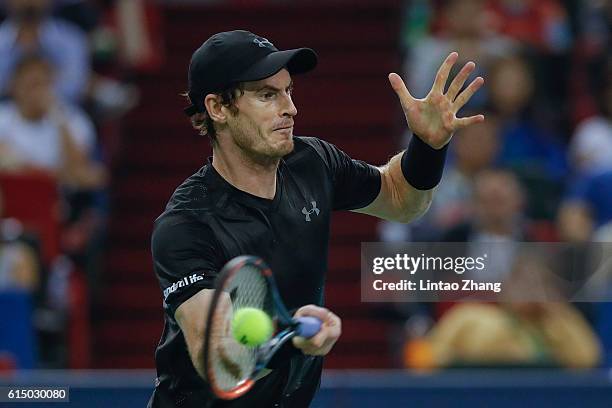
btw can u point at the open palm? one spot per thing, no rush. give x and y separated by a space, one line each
434 118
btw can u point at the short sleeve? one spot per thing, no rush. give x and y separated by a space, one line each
82 129
356 183
5 118
186 258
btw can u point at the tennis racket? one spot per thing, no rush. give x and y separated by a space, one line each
231 367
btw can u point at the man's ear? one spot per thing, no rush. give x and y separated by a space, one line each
214 107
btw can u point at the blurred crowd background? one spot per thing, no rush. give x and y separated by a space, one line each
92 142
538 169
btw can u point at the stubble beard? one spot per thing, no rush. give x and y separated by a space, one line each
246 134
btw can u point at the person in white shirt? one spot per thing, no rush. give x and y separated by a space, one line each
30 27
37 131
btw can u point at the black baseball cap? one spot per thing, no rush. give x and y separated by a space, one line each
238 56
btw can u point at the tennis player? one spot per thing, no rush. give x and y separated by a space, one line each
269 193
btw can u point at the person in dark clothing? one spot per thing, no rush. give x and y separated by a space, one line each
265 192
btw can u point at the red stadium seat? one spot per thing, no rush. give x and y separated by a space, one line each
33 199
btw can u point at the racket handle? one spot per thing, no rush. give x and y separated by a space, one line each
308 326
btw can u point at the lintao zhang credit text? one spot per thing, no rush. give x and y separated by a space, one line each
427 285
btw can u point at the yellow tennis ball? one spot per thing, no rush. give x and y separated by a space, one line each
251 326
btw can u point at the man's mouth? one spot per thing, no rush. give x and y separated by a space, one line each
286 127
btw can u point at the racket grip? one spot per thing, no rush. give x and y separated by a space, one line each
308 326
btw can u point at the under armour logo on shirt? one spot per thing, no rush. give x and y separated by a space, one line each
313 210
263 42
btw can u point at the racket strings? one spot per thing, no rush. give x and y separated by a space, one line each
231 361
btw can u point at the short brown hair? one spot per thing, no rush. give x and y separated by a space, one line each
203 123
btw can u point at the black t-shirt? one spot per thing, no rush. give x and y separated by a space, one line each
207 222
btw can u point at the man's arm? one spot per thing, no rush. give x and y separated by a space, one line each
397 201
407 181
191 316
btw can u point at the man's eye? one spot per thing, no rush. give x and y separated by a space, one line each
268 95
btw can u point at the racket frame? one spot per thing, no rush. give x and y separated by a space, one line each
266 350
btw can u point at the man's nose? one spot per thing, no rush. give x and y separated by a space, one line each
289 108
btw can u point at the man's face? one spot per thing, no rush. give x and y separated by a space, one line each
511 86
263 126
498 198
476 146
465 17
33 89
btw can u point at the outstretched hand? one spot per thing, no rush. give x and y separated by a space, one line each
434 118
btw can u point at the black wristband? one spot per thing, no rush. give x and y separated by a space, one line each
422 165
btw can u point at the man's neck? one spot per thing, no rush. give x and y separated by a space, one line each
257 177
30 115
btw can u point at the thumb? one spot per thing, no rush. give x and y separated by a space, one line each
398 85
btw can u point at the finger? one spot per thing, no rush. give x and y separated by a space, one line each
334 323
306 346
330 331
467 93
464 122
319 346
300 342
459 80
312 310
311 345
319 339
443 72
400 89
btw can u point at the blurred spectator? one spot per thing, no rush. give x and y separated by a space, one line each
30 28
530 326
536 334
525 144
37 130
543 29
138 26
541 24
18 266
529 145
596 25
590 55
591 145
587 207
497 203
497 218
463 28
